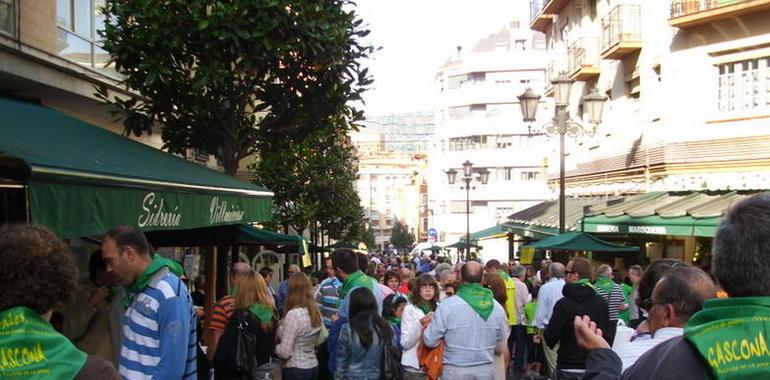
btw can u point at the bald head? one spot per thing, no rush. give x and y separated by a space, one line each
239 269
472 272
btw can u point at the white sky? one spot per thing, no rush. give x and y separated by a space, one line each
417 36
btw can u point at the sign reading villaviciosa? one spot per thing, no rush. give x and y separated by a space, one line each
219 212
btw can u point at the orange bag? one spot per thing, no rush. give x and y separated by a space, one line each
431 359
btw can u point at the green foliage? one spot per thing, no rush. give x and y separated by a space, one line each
224 76
401 237
313 181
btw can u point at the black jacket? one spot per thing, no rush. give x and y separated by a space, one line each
579 300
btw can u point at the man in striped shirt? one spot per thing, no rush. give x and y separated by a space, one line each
224 309
159 324
612 294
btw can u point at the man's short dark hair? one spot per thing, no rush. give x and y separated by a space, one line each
363 262
345 260
127 236
582 267
37 269
492 265
265 271
686 288
741 246
470 277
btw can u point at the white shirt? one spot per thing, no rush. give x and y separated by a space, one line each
410 335
631 351
549 294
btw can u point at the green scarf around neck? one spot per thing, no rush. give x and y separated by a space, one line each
355 280
479 298
30 348
158 262
503 275
263 312
424 307
604 283
586 282
732 337
394 321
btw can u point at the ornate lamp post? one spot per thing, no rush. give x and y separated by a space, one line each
562 124
468 177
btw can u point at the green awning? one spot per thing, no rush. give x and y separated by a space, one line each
462 245
493 232
578 241
531 231
648 225
239 234
83 180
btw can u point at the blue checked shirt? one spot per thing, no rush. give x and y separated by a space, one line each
328 298
470 341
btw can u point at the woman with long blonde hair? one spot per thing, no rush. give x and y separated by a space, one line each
255 315
299 331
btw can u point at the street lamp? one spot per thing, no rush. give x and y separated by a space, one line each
562 124
483 177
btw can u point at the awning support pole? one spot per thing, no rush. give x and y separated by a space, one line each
210 255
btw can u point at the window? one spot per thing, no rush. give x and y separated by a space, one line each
467 143
7 17
530 176
744 85
79 23
457 81
507 174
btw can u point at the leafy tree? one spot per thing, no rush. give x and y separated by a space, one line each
223 76
401 237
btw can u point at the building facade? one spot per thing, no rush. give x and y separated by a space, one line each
479 120
688 87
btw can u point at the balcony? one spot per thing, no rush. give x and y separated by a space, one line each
688 13
583 59
621 32
538 20
554 6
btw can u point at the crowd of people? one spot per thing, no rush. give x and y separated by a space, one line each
372 317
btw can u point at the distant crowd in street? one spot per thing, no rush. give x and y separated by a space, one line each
373 317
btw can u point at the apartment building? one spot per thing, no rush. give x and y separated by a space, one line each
688 87
479 120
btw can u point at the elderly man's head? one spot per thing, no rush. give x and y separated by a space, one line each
472 272
519 271
556 270
678 295
741 245
604 270
239 269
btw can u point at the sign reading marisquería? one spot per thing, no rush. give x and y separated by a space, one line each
157 212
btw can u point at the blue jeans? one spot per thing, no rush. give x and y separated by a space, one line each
299 373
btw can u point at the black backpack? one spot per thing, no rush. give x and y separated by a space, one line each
237 349
391 361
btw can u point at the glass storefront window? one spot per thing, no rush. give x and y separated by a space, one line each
7 17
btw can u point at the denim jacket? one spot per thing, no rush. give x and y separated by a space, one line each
354 362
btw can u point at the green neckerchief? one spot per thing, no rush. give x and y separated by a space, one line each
395 321
479 298
30 348
424 307
355 280
605 284
262 312
503 275
731 335
586 282
158 262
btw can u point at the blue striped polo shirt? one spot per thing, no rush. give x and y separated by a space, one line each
159 332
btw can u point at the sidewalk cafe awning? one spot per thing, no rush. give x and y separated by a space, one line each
542 220
83 180
662 213
236 234
493 232
578 241
462 245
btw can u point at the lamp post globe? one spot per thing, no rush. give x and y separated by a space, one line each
484 176
562 85
528 102
467 168
451 175
594 104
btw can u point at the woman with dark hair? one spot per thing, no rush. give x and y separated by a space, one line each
423 301
37 277
360 345
255 313
392 310
299 331
393 281
654 272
